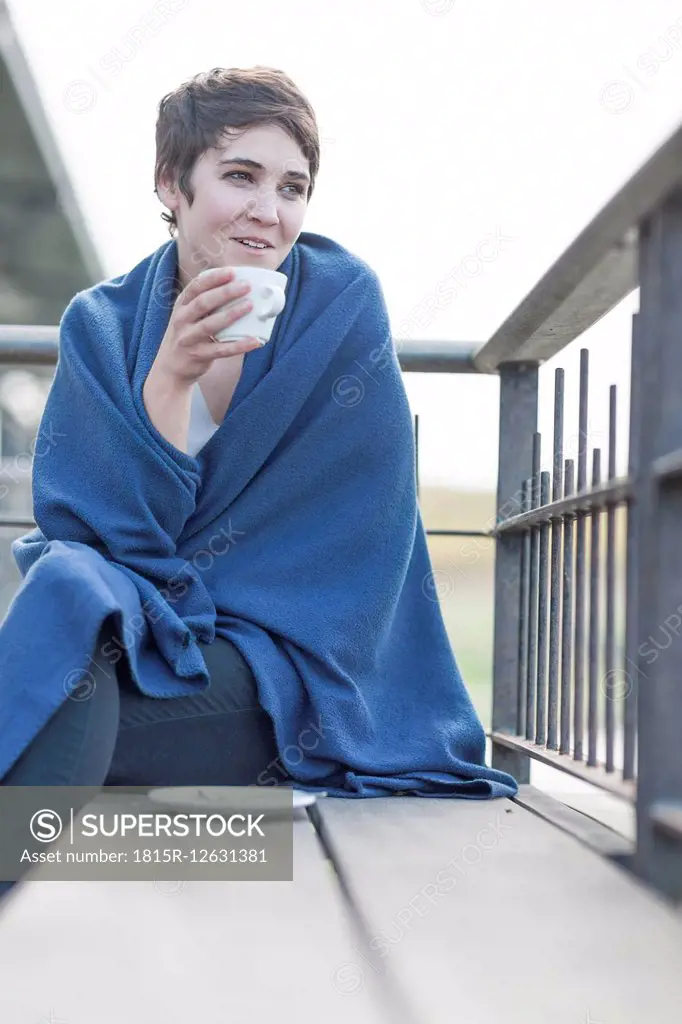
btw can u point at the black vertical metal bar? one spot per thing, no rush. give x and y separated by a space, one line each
567 617
579 648
517 423
643 371
555 573
631 671
523 616
613 688
533 591
543 637
659 854
595 619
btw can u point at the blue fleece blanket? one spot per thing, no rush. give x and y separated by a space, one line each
295 533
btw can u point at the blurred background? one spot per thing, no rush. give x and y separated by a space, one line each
450 131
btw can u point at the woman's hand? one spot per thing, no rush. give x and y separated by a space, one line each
187 348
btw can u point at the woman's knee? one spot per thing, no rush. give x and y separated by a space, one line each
232 683
75 745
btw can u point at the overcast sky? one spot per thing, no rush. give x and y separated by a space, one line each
450 128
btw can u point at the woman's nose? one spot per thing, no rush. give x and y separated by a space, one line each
264 206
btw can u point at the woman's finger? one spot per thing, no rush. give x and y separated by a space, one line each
211 301
204 281
222 349
222 319
235 347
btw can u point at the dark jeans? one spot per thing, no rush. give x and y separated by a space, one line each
119 737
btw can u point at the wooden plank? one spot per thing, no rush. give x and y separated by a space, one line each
210 952
597 836
617 814
485 912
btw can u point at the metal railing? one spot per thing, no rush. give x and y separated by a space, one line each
563 692
556 666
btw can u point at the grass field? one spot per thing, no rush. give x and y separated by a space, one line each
463 570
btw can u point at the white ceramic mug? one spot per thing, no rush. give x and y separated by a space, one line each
267 298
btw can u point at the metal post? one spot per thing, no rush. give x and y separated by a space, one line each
658 493
518 423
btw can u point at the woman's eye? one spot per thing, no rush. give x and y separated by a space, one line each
298 189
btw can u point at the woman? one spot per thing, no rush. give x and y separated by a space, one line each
268 570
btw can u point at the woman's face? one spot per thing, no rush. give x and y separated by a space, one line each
255 184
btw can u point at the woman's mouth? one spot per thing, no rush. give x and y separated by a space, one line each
252 246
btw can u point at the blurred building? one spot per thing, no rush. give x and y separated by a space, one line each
46 256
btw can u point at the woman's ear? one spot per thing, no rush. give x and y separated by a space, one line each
167 192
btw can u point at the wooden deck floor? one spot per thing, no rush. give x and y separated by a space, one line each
431 911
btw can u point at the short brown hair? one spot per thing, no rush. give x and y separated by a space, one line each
193 117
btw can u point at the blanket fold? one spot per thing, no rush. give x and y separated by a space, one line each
295 533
